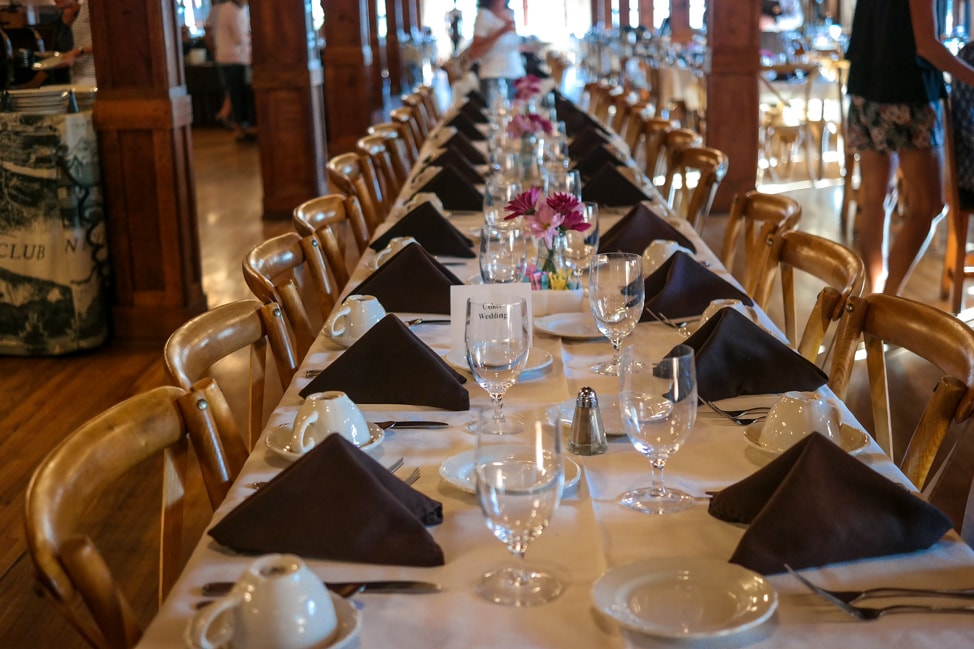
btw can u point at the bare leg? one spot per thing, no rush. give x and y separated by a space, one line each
923 179
876 171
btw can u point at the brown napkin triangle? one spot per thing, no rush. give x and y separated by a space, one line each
735 357
589 139
454 191
474 97
682 288
412 281
611 188
453 158
462 145
576 120
336 503
595 159
467 126
637 229
435 233
390 364
816 504
474 112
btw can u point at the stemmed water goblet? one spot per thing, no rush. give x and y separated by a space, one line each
519 481
659 406
496 337
499 190
581 246
503 253
616 297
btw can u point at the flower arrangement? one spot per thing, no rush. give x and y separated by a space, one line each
522 124
527 87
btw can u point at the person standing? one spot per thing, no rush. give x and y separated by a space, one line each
896 85
80 58
496 46
231 38
454 19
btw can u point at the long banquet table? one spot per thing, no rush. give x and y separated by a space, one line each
589 533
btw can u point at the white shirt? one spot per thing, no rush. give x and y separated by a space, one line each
231 33
503 60
83 68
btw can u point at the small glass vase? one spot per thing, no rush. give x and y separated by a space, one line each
554 272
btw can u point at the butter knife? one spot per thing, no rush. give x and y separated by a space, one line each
344 588
410 424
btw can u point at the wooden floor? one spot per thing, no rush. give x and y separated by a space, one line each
43 399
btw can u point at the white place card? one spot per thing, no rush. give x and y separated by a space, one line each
458 308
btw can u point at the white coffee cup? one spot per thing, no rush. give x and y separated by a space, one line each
324 413
658 252
796 414
395 245
356 315
278 602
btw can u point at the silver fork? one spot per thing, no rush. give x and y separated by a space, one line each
679 326
738 416
412 477
867 613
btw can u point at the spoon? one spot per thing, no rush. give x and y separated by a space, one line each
419 321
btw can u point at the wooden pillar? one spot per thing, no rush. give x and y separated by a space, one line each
142 117
409 25
732 94
290 106
680 20
607 13
418 13
348 63
597 8
393 58
623 13
646 13
372 6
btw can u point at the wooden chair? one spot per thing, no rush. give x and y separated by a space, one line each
398 146
676 139
424 120
200 343
355 175
330 216
839 268
755 218
654 133
428 95
70 570
940 338
406 116
710 167
960 205
789 125
275 271
375 148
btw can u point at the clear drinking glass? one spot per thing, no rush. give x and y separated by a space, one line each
519 482
499 190
496 336
658 400
616 296
561 179
580 247
503 253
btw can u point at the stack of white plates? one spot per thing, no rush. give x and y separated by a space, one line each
42 101
84 95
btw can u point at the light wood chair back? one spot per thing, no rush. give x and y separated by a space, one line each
797 128
424 120
375 147
632 127
277 272
70 570
709 165
355 175
838 267
331 217
676 139
200 343
940 338
960 205
755 218
428 95
654 134
398 146
406 116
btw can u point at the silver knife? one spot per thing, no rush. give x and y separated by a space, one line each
222 588
411 424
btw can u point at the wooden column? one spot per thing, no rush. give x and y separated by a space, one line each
378 63
646 13
597 8
142 117
418 13
348 65
393 58
290 106
607 13
732 94
409 24
680 20
623 13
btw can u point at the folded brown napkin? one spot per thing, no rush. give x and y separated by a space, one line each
474 97
336 503
390 364
454 159
590 138
462 145
474 111
467 126
435 233
816 504
594 160
454 191
735 357
637 229
412 281
683 288
576 120
611 188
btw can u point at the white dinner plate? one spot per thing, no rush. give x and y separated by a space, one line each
458 471
851 440
685 597
608 408
538 359
279 441
577 325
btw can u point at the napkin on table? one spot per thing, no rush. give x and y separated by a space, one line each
683 288
595 159
474 111
336 503
576 120
815 504
612 188
390 364
454 191
431 230
462 145
456 160
587 140
637 229
736 357
412 281
467 126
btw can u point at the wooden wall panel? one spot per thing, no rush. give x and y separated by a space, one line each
348 63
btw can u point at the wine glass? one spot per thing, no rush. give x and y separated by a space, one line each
496 336
519 482
562 179
616 294
580 247
499 190
503 254
659 405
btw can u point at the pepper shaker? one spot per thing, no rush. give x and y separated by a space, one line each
588 433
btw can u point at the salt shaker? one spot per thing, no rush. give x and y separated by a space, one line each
588 433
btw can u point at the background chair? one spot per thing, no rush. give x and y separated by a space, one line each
376 149
786 124
754 220
708 166
70 570
839 268
406 116
331 218
654 133
939 338
676 139
356 176
960 205
404 148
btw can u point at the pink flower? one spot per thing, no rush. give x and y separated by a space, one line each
545 223
524 204
541 124
522 124
526 87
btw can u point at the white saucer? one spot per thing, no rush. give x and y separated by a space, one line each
608 408
279 441
685 598
851 440
343 341
458 471
538 359
576 325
